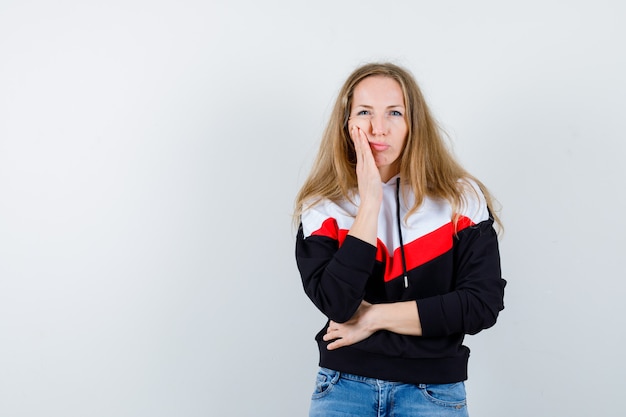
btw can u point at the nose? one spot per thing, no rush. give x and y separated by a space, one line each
379 125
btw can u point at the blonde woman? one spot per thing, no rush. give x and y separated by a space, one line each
396 246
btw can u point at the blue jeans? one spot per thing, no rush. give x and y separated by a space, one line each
340 395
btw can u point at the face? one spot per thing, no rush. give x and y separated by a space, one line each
378 110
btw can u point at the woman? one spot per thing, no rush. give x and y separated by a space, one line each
396 246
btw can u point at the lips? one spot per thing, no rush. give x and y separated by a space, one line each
378 147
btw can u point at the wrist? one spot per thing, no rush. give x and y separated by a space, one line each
376 317
369 206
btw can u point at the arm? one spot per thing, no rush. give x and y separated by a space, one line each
333 276
473 305
365 226
478 296
400 317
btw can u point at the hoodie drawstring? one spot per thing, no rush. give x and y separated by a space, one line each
406 278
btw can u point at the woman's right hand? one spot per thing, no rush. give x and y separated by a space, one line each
368 176
365 226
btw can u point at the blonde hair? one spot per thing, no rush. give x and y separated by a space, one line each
427 166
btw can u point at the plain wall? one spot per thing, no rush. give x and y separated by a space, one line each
150 152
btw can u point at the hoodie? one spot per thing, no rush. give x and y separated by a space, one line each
453 276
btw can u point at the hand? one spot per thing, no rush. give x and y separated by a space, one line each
368 176
358 328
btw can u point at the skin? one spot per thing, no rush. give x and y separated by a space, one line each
378 129
378 112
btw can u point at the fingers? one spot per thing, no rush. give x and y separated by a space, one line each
355 125
335 337
361 144
336 344
332 332
358 135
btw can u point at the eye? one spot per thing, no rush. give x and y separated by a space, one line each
363 113
395 113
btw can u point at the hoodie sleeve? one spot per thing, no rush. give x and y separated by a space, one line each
478 295
334 266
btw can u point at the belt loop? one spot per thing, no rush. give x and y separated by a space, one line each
336 377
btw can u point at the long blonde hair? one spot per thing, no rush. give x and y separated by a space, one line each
427 166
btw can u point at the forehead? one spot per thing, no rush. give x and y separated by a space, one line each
378 89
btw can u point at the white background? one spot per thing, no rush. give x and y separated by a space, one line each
150 152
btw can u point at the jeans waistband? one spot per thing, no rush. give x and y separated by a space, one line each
365 379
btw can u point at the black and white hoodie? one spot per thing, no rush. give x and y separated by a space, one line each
454 278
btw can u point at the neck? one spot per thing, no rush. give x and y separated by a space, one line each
388 172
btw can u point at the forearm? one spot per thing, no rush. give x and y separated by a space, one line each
400 317
478 295
365 226
334 277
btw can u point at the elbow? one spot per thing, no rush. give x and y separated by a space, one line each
337 308
341 316
484 308
337 313
485 318
486 322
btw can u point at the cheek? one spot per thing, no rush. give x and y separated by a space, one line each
362 123
400 127
404 132
400 123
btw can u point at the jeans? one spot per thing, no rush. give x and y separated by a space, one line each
340 394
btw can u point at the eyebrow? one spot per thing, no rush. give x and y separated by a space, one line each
367 106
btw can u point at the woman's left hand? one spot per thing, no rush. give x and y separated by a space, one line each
358 328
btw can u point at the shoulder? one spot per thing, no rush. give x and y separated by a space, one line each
473 203
322 213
